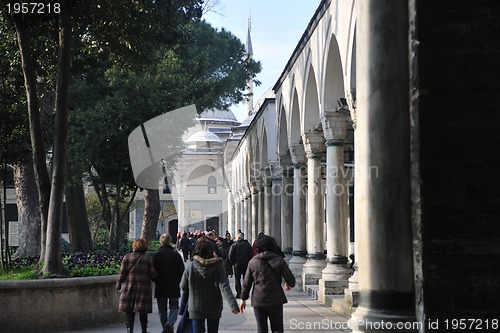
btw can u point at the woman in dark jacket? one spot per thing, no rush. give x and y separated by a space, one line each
204 281
136 272
265 272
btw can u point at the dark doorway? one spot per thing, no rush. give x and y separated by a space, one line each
213 224
173 227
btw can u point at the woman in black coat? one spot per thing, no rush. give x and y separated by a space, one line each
265 272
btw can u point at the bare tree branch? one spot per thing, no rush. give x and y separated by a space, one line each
213 6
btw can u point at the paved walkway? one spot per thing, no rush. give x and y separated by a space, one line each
301 314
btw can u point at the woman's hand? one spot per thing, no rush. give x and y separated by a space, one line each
236 311
287 287
243 305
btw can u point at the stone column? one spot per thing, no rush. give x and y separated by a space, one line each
244 222
268 202
249 220
299 211
260 213
382 172
255 211
286 208
236 224
241 211
314 147
336 273
352 296
230 214
275 229
180 208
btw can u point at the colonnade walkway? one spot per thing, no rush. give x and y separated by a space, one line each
301 314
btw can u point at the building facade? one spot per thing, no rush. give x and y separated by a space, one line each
375 151
193 197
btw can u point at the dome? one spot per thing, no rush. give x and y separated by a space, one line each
217 115
204 136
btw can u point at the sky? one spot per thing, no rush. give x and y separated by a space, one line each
276 28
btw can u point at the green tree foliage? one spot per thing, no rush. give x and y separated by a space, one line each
108 103
112 31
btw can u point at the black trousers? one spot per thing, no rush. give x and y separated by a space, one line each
275 315
237 282
143 318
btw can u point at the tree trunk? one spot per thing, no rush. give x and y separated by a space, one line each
4 234
2 210
114 230
78 223
28 210
118 227
53 264
151 214
35 124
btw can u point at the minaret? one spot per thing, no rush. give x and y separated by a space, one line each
249 86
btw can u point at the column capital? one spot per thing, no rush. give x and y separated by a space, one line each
254 185
274 171
285 161
314 143
335 124
298 155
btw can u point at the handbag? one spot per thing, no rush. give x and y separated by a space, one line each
185 324
126 273
278 277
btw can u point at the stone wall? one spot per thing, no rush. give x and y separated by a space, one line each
52 305
457 75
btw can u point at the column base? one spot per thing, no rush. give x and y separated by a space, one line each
353 281
351 298
287 251
386 311
300 253
330 288
312 269
296 265
336 272
369 320
333 280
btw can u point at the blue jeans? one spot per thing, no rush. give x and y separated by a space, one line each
173 305
212 325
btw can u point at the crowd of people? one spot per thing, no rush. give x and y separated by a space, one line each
200 279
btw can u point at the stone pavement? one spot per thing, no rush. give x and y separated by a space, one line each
301 314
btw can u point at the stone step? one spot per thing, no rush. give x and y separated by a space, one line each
338 303
312 290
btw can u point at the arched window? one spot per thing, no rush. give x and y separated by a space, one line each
212 185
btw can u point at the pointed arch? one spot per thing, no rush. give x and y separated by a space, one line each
295 123
282 134
310 114
333 78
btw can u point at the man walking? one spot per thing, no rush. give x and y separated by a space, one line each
170 267
240 254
